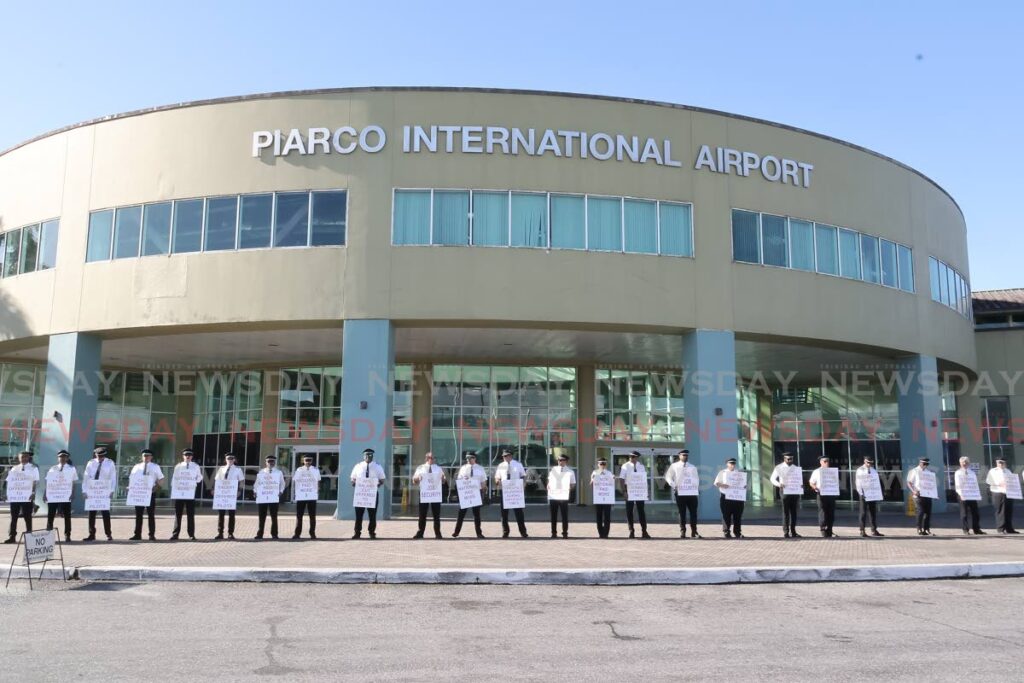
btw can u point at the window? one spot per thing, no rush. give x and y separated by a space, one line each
156 229
675 223
329 217
906 267
127 231
101 226
943 283
29 248
849 254
221 222
746 242
490 219
888 251
639 405
255 221
451 218
775 245
801 244
933 279
529 220
188 226
827 249
291 220
604 223
869 255
568 222
640 226
412 217
48 245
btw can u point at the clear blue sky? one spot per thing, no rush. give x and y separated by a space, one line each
937 85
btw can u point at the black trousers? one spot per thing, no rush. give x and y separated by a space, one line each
435 514
641 513
372 526
263 509
303 507
520 522
924 513
1003 507
559 507
868 509
790 505
106 522
151 509
732 515
23 510
462 516
65 511
826 513
604 520
687 504
231 522
188 507
970 520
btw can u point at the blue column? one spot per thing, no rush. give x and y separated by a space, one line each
920 407
368 369
709 395
69 404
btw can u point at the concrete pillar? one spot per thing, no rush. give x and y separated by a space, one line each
920 409
586 436
69 404
368 369
709 395
421 407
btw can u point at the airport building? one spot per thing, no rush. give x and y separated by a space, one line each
453 270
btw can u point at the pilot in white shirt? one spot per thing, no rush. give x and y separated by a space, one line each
429 469
560 473
826 503
306 473
100 468
510 469
603 511
866 508
66 472
685 504
631 467
790 501
262 509
1002 505
187 473
965 478
229 472
367 469
24 469
147 468
923 504
475 472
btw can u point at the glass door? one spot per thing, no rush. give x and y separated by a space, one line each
656 461
326 458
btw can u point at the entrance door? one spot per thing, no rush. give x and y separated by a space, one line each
656 461
327 459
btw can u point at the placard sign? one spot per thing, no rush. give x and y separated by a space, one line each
469 493
870 486
184 481
39 545
969 489
636 486
97 493
365 495
828 484
559 485
688 483
926 485
305 485
794 483
268 491
1012 484
140 490
19 486
604 490
737 482
225 494
430 488
512 494
60 485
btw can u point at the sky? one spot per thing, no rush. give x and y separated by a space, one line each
934 84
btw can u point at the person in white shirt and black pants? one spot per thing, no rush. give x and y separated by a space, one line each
510 469
634 466
867 509
923 504
230 472
188 507
100 467
1002 505
557 507
63 509
428 468
791 501
970 520
263 509
147 468
369 469
684 504
471 471
23 510
603 511
305 506
826 504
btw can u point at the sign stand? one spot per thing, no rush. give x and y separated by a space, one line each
29 562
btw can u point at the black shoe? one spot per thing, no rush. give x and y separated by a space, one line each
152 537
259 537
174 537
645 535
455 534
739 535
479 534
1013 531
694 534
785 534
928 532
191 537
554 535
296 536
312 534
682 533
504 534
373 535
920 533
273 536
979 532
419 534
438 535
109 537
231 537
356 535
219 537
795 534
524 535
565 534
136 537
90 537
67 539
876 532
11 539
863 534
727 534
631 534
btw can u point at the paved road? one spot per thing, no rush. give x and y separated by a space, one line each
929 630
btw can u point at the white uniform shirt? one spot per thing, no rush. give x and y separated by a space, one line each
66 469
779 475
559 471
995 479
152 470
360 471
277 475
629 468
304 471
914 479
28 468
512 468
108 471
230 473
472 472
722 477
865 470
425 469
598 474
815 479
191 469
675 473
961 477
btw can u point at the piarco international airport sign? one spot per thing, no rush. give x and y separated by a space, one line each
534 142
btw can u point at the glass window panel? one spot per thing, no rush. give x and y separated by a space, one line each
888 263
849 254
291 220
604 223
906 267
255 219
746 238
187 234
451 218
950 287
328 221
29 248
641 226
568 222
943 286
826 249
12 252
101 227
490 219
529 220
775 245
3 255
127 231
801 244
156 229
221 221
412 217
676 228
869 256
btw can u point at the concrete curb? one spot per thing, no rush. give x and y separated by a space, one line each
557 577
49 572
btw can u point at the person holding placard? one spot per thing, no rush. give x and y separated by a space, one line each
229 479
60 488
184 481
149 474
921 482
732 486
269 487
603 484
825 483
21 493
561 482
968 493
306 485
470 482
430 478
683 478
635 489
788 479
98 483
366 479
509 471
869 492
1003 484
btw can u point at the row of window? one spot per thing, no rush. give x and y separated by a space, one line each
541 220
28 249
803 245
949 287
252 221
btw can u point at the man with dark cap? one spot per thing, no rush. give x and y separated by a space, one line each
507 470
60 484
561 482
147 468
683 479
1001 503
791 500
269 483
367 469
429 469
968 493
471 472
27 476
306 483
628 469
923 504
229 472
602 481
100 468
185 480
864 478
732 509
827 491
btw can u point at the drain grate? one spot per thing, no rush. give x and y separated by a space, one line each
106 586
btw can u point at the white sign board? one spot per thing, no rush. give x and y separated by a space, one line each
512 494
268 491
225 494
870 486
305 485
39 546
60 485
1012 484
636 486
688 483
365 495
794 484
98 494
926 485
469 493
828 484
430 488
184 481
140 490
19 486
970 490
737 482
559 485
604 490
